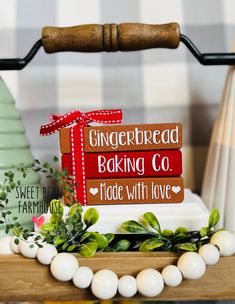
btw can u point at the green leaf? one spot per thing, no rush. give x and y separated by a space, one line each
65 172
55 220
203 231
109 237
214 218
46 165
109 249
167 232
85 236
60 239
55 159
17 231
151 244
152 221
90 217
181 230
8 228
38 238
88 250
71 247
48 227
56 208
187 246
65 246
100 239
133 227
37 169
12 185
16 241
122 245
75 210
3 196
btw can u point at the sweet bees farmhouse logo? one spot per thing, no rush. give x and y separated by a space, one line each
34 199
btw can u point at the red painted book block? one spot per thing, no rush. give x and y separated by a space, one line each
130 164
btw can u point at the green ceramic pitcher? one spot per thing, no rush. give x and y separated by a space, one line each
27 199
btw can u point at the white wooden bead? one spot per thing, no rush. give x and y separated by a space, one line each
149 282
104 284
46 254
15 248
192 265
28 249
127 286
82 277
63 266
172 276
5 247
210 254
225 240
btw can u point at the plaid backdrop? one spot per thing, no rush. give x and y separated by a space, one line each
151 86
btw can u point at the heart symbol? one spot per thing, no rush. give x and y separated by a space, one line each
93 191
176 189
38 221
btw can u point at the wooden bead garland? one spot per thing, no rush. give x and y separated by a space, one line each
105 283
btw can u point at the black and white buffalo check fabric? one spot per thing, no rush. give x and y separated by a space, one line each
151 86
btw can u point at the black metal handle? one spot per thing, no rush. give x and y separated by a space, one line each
18 63
205 59
208 58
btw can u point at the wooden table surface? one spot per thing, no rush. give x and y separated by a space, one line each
24 279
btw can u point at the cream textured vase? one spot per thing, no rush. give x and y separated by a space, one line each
219 179
26 200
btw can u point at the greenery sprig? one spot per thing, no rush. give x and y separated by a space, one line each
168 240
64 181
70 232
8 184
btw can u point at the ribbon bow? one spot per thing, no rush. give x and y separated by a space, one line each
78 120
82 119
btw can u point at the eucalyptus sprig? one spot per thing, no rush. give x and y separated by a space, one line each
64 181
8 184
168 240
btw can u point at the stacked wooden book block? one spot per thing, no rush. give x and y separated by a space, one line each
127 164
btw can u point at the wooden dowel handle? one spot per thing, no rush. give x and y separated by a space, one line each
110 37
